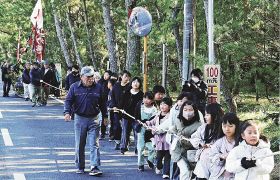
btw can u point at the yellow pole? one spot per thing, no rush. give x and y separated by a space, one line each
145 84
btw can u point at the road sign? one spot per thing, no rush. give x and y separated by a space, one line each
140 21
212 75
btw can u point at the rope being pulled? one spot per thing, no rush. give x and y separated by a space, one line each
144 125
41 81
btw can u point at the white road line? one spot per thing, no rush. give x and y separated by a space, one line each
6 137
1 116
19 176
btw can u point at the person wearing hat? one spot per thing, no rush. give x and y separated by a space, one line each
84 99
198 88
35 84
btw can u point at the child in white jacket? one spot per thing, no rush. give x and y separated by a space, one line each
241 159
204 137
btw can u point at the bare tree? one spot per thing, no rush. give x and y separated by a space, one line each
178 38
89 37
110 35
133 41
61 38
73 37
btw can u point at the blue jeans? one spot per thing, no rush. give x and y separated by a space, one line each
126 130
86 127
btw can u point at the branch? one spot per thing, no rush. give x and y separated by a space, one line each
6 32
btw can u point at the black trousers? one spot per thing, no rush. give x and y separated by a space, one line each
163 154
6 87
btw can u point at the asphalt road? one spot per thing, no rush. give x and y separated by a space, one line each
36 143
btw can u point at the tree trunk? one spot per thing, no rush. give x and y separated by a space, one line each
110 35
74 40
194 34
89 38
188 19
178 38
257 86
133 42
229 98
206 13
61 38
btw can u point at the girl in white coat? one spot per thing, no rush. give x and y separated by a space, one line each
204 137
241 159
229 135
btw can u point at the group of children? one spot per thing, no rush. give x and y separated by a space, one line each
182 143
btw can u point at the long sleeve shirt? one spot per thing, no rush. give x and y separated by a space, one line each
86 101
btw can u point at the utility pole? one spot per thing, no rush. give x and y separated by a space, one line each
164 66
211 55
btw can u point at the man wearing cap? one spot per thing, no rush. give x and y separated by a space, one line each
84 98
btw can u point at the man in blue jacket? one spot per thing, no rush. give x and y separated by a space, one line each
84 99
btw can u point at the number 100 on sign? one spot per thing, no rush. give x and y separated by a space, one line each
212 78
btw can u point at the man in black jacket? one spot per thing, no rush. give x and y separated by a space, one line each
26 80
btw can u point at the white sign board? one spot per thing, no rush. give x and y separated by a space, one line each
212 76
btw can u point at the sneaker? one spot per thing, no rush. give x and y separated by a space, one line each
80 171
123 150
34 104
95 172
165 176
141 168
136 151
157 171
26 99
117 146
150 164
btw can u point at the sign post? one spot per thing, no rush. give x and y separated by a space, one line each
212 75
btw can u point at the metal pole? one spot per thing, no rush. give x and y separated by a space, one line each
18 47
145 85
164 66
210 32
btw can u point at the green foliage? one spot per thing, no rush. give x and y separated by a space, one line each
246 38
